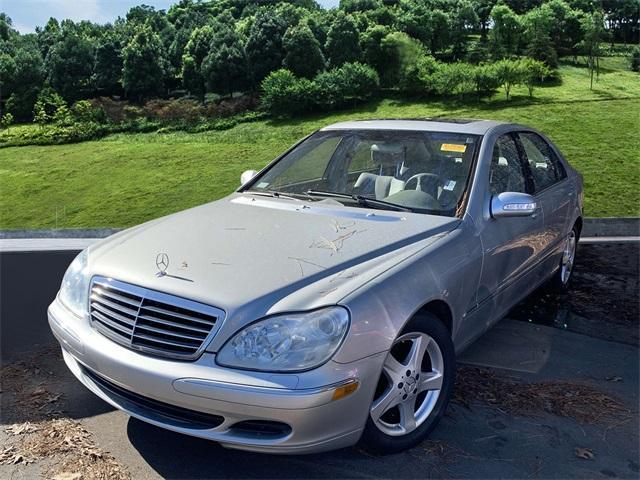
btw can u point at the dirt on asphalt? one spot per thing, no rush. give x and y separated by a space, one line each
603 300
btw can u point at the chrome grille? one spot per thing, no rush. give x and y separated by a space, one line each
151 321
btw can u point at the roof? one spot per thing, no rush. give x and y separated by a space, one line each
476 127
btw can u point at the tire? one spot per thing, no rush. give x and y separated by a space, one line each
562 278
389 428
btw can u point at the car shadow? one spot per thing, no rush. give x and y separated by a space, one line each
173 455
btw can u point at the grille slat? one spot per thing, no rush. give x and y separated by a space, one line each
115 306
162 321
150 321
113 325
176 314
121 318
140 326
121 298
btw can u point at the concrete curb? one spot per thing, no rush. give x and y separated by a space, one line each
611 227
593 227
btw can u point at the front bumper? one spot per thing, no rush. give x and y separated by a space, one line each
303 401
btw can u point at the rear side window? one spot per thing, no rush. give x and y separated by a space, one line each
544 164
507 169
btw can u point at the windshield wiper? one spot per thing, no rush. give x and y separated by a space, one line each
270 193
361 200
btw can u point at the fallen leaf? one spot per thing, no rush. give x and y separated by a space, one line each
68 476
585 453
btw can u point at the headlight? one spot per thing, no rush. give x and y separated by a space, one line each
74 291
286 343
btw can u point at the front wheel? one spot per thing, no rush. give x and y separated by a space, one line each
414 387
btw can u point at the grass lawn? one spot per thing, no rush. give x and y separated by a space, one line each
125 179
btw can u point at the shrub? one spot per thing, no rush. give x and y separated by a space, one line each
509 74
51 108
174 110
417 79
486 80
532 72
635 59
113 109
454 79
84 111
6 121
284 93
349 84
231 106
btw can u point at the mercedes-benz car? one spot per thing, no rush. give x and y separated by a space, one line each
323 303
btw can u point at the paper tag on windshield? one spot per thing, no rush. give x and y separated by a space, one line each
453 147
263 185
450 185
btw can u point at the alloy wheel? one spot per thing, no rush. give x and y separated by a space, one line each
410 384
568 257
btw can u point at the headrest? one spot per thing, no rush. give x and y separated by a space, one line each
387 153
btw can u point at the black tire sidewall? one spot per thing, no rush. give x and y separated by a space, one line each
380 443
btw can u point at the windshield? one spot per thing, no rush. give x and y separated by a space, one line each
418 171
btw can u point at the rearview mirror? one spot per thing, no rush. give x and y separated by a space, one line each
246 176
513 204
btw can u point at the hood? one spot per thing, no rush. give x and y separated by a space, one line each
247 254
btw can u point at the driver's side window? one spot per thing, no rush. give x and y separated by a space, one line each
507 169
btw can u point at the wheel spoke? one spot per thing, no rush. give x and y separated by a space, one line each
388 400
417 353
408 416
430 381
394 369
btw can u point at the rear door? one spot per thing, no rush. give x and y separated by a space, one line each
511 245
552 191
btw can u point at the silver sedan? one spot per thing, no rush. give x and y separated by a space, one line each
323 302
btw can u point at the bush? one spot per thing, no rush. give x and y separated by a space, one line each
509 74
284 93
179 110
349 84
114 110
486 80
454 79
51 108
231 106
532 72
417 79
84 111
635 59
6 121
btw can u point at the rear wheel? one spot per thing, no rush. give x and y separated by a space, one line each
414 387
560 281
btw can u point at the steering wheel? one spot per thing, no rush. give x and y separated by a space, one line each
425 182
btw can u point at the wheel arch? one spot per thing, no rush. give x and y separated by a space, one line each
440 309
578 225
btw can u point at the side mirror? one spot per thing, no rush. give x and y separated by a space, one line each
247 175
513 204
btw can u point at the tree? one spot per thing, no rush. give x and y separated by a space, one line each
462 20
50 107
225 68
532 72
27 80
342 41
264 44
196 50
593 35
537 25
107 70
373 52
303 53
506 31
284 94
401 51
509 74
7 74
69 65
144 64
